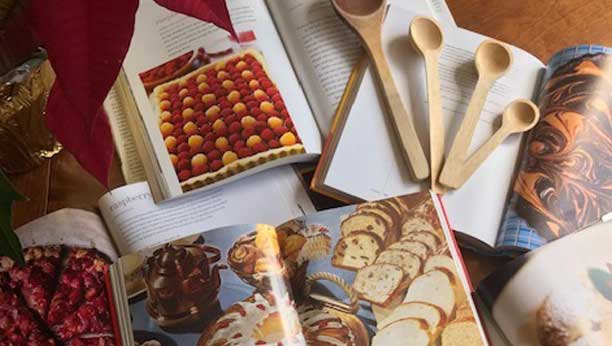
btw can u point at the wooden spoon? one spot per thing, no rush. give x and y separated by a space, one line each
426 36
366 18
493 59
519 116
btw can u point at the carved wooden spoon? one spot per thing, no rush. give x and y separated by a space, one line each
519 116
493 59
366 18
426 36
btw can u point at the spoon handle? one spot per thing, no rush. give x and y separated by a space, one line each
458 152
482 153
436 122
402 120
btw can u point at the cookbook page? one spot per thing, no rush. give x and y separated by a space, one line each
381 273
131 164
564 182
214 109
324 50
367 149
404 280
60 294
225 286
559 294
137 223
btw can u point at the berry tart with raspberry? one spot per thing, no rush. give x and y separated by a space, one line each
222 119
59 297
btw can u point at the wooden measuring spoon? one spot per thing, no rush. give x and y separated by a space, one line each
426 36
366 18
519 116
493 59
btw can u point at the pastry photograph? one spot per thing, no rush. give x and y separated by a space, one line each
357 276
564 300
284 251
197 287
223 118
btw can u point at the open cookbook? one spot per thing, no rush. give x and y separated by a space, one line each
204 109
558 295
531 190
378 273
63 295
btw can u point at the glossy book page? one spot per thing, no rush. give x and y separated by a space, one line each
564 183
370 274
212 109
559 294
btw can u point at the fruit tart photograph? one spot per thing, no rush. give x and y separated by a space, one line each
222 118
61 294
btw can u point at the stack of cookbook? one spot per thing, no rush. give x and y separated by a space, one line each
206 128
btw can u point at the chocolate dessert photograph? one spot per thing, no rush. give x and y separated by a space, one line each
192 290
370 274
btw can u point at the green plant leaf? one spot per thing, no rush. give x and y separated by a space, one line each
9 243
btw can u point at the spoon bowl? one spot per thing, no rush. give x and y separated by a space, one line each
358 8
520 116
426 34
493 58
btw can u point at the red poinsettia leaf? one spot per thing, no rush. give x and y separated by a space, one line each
86 42
212 11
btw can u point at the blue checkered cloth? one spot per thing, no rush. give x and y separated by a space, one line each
517 233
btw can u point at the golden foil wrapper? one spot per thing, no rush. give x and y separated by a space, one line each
25 141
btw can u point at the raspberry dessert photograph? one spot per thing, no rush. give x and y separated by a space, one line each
61 295
222 119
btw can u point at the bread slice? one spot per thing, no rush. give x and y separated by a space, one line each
416 247
437 287
461 333
464 310
424 236
370 222
397 205
357 250
378 283
381 312
446 262
435 317
409 331
440 261
415 224
381 209
425 208
410 263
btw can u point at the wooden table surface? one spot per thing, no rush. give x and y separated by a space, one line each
540 27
